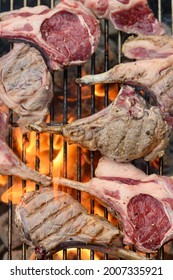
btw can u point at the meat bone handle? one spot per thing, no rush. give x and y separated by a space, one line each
43 128
115 251
72 184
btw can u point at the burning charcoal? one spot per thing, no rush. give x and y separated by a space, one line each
131 16
10 163
124 131
143 203
51 219
25 84
70 41
153 75
145 47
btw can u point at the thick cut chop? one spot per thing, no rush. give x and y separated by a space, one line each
26 85
49 218
144 47
67 34
131 16
127 129
143 203
10 163
153 75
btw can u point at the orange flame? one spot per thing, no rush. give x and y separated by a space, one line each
112 91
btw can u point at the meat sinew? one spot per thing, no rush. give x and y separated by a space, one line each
144 47
66 35
10 163
131 16
26 85
143 203
127 129
153 75
48 218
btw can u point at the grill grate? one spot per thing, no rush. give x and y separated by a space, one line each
162 11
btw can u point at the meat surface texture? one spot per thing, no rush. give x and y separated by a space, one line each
143 203
153 75
124 131
26 85
10 163
67 34
48 218
148 47
131 16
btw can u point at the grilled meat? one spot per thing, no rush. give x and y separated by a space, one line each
48 218
143 203
146 47
10 163
127 129
131 16
153 75
67 34
25 84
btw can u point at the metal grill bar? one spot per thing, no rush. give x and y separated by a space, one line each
12 4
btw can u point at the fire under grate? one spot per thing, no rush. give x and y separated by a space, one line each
50 154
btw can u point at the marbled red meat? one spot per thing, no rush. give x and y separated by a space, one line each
145 207
131 16
67 34
148 47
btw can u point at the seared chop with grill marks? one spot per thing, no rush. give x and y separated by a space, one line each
153 75
131 16
66 35
10 164
49 218
144 47
143 203
26 85
127 129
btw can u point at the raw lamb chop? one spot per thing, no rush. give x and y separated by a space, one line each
10 163
143 203
131 16
127 129
66 35
153 75
25 84
144 47
48 218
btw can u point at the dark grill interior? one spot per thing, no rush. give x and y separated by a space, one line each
71 101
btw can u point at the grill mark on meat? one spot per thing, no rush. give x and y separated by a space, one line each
99 233
84 229
61 227
41 206
25 84
127 129
52 215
